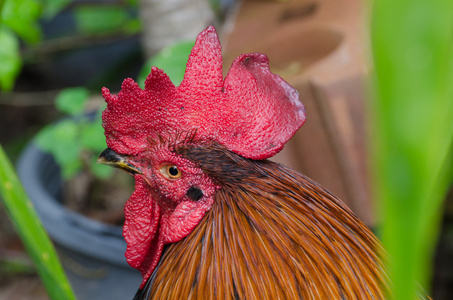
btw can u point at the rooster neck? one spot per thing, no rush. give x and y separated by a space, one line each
272 233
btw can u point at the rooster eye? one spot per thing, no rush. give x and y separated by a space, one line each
170 171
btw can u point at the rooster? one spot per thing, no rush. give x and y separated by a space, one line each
211 217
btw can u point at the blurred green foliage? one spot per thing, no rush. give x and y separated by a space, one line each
22 17
20 20
9 57
412 48
92 20
75 142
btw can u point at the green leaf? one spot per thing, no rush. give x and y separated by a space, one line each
45 138
9 57
67 139
21 16
63 142
100 19
32 233
66 147
172 60
413 113
72 100
92 137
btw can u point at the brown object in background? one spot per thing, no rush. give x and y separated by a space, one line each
316 45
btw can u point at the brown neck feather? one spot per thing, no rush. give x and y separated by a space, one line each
272 233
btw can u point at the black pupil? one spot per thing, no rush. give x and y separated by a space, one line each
173 171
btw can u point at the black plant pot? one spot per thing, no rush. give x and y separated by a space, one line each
92 253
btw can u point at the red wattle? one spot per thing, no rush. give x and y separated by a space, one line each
144 243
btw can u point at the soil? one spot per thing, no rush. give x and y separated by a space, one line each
23 287
18 278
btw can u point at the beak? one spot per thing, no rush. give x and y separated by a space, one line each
111 158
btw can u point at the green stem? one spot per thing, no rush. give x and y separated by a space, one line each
413 131
32 233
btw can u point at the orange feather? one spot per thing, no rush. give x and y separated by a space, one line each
272 233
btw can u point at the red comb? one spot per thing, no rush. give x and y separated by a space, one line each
252 112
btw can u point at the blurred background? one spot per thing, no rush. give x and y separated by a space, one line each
56 55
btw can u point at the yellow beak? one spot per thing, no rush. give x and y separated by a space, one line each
111 158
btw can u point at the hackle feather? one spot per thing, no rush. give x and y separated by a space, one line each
272 233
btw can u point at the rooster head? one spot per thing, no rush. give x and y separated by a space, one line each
251 112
